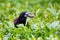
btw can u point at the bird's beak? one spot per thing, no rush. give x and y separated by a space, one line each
31 15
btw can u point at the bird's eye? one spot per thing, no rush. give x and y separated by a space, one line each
26 14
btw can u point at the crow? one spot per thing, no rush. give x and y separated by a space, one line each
22 18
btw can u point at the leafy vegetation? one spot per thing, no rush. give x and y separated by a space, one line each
44 26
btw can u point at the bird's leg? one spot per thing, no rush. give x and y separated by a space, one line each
27 24
16 26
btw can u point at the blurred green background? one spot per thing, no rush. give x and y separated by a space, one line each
44 26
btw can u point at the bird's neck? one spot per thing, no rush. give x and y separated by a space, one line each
22 18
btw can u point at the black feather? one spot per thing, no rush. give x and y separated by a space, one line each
20 20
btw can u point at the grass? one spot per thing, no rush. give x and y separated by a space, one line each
44 26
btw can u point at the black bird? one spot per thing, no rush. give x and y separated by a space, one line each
22 18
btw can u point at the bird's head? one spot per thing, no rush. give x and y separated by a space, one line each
27 14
